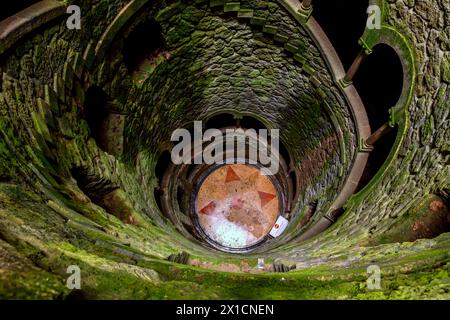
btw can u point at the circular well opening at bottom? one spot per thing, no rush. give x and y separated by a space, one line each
235 206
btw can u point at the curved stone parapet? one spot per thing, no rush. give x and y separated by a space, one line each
357 107
27 21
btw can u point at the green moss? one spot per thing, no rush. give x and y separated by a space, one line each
32 285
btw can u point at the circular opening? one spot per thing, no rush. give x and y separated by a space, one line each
236 206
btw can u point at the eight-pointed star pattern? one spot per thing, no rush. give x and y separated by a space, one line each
237 205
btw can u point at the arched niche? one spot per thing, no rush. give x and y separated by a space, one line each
380 82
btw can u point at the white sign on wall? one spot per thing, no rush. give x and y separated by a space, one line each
279 227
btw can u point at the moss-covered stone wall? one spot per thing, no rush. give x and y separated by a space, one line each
249 58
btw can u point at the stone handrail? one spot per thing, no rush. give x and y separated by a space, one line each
17 26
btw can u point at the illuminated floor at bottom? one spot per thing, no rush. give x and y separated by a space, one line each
237 205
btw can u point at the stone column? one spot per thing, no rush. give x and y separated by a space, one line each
305 10
355 67
306 4
380 133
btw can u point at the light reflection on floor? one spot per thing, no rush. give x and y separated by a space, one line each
237 206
